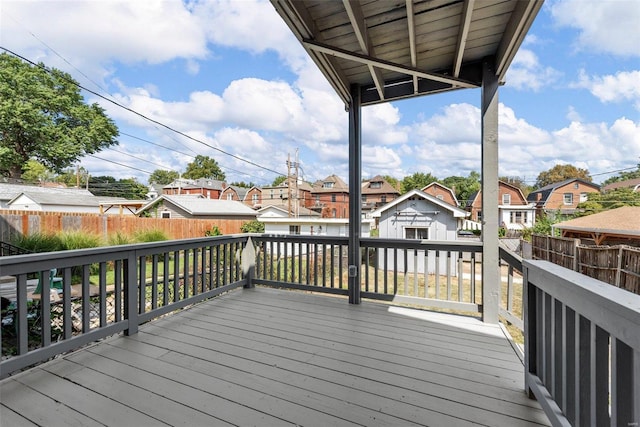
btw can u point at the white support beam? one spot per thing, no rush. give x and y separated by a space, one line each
491 277
465 23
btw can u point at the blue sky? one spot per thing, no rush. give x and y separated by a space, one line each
231 75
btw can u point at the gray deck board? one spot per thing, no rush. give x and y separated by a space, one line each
270 357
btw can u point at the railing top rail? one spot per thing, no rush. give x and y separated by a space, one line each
510 258
613 309
15 264
443 245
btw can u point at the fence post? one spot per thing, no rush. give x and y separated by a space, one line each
131 293
619 271
576 254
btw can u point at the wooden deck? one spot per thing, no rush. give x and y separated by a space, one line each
268 357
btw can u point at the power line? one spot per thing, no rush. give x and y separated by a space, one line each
41 66
119 164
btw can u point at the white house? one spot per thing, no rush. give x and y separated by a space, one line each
70 202
418 215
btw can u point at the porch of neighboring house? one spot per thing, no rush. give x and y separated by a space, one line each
271 357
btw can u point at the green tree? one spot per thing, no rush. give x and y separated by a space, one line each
416 181
204 167
163 177
128 188
623 176
254 226
243 184
34 171
43 117
560 173
463 187
279 180
73 177
393 181
616 198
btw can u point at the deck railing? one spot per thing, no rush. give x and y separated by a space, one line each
425 273
582 347
108 290
582 336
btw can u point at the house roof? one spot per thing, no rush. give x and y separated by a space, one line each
198 205
44 199
620 221
396 50
301 211
212 184
240 191
457 212
10 191
443 187
339 186
629 183
385 187
548 189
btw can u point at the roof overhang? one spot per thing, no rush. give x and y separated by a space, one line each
401 49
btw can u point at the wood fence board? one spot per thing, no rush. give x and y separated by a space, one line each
29 222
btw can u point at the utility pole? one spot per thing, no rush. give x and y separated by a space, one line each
289 184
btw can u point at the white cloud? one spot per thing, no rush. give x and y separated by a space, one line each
128 31
604 26
526 72
623 86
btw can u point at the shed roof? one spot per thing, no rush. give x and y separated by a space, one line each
400 49
620 221
198 205
455 211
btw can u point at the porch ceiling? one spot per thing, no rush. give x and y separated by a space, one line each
398 49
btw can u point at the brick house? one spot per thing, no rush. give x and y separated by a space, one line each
514 211
330 197
562 197
376 192
441 192
209 188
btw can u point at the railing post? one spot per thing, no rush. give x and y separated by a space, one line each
131 293
248 263
355 168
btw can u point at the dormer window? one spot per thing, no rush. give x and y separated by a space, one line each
376 184
327 184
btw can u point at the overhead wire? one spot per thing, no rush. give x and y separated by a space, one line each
41 66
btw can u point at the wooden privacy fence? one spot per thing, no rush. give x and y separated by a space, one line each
14 222
617 265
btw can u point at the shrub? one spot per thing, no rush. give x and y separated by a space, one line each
38 242
254 226
215 231
146 236
79 240
120 239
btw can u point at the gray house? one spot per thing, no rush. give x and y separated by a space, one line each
418 215
196 206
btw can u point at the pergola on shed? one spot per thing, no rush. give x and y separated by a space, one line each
379 51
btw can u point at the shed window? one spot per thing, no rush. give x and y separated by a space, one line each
165 214
294 229
416 233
